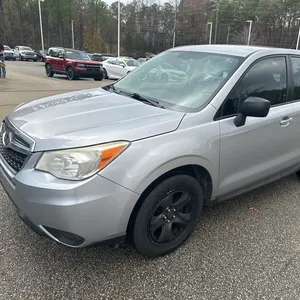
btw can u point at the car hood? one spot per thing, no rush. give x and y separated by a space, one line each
27 51
90 117
8 51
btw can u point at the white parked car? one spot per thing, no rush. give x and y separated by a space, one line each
9 53
118 67
167 72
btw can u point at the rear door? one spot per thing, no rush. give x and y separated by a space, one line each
259 151
121 68
53 59
61 60
295 100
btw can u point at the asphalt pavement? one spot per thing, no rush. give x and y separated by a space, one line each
244 248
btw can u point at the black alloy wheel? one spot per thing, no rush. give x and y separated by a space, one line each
70 73
49 71
168 216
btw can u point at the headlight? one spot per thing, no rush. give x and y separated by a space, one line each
80 163
80 65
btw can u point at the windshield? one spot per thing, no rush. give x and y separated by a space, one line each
7 48
132 62
180 80
79 55
25 48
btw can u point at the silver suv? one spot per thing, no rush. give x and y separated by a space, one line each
141 157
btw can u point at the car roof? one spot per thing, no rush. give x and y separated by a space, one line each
236 50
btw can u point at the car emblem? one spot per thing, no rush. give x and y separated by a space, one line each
6 139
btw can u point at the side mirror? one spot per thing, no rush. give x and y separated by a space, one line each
252 107
61 56
122 65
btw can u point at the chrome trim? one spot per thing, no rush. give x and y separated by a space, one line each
58 241
20 133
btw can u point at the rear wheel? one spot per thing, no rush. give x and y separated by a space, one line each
70 73
168 216
49 71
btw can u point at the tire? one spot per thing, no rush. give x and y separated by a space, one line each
14 59
49 71
174 221
98 78
70 73
35 60
105 76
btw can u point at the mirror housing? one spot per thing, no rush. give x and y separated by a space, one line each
61 56
122 65
252 107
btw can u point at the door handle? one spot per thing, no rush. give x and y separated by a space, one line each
286 121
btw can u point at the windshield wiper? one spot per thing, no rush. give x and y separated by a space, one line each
144 99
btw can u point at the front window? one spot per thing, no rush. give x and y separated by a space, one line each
25 49
180 80
78 55
132 63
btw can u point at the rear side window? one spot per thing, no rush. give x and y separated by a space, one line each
296 77
266 79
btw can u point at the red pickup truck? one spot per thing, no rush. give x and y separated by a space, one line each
73 63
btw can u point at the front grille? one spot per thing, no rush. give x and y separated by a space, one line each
92 67
11 148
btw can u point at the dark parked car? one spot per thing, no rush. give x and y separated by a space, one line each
9 53
100 56
41 54
73 63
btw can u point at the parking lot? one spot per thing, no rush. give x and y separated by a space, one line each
245 248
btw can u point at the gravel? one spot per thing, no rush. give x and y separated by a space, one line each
245 248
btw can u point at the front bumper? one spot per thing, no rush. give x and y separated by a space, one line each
31 57
76 214
89 74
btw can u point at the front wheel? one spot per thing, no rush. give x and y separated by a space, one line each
70 73
49 71
168 216
98 78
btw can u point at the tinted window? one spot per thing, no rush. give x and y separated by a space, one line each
53 52
266 79
132 63
296 77
112 61
23 48
79 55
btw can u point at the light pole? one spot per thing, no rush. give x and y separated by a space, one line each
175 21
41 24
249 34
297 46
119 26
210 31
72 26
217 21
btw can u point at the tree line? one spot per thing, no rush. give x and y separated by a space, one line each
148 25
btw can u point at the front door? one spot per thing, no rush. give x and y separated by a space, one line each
258 151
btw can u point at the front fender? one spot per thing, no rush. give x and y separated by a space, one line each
146 160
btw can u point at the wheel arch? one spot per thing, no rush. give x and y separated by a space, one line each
200 173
